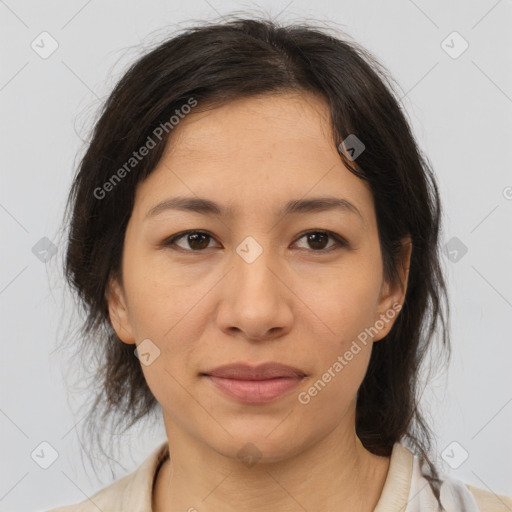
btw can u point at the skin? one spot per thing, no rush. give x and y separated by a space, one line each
294 304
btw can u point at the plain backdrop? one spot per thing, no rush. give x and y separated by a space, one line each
453 61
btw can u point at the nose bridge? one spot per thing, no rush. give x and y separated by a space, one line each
254 301
252 264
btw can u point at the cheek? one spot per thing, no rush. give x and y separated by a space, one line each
342 301
158 298
168 308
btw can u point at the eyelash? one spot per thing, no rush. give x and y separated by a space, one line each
340 242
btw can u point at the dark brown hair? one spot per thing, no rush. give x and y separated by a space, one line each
214 63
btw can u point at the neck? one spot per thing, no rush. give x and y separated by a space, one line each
336 473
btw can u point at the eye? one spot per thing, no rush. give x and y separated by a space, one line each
196 240
318 239
200 240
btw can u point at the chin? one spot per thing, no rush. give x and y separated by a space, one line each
253 445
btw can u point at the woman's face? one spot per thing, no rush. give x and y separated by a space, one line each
257 284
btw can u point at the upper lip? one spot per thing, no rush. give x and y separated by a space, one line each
244 371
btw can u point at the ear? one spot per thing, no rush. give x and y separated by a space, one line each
118 311
393 295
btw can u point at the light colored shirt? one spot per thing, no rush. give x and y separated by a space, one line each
405 490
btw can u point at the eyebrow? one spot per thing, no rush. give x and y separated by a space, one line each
207 207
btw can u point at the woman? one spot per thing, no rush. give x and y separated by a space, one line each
255 237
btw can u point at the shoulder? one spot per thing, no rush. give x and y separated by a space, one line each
490 502
103 499
410 479
132 492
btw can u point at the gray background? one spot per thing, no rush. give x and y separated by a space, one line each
461 110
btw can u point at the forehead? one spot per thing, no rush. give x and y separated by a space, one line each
258 121
252 151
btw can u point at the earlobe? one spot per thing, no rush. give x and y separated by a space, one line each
118 312
393 295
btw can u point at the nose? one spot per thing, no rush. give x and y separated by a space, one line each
256 300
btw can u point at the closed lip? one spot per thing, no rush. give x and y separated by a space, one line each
265 371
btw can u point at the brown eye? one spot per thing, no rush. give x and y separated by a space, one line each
317 240
196 240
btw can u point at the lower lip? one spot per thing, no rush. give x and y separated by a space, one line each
255 391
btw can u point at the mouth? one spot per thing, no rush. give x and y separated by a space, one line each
255 385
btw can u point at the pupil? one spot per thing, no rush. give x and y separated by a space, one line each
311 237
193 239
